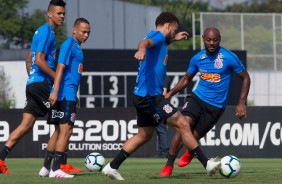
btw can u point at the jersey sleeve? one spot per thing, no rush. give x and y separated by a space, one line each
157 38
192 69
236 64
65 52
45 37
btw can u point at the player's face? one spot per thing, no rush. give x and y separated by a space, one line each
56 15
211 41
172 28
81 32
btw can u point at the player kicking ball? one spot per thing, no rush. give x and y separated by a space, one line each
207 103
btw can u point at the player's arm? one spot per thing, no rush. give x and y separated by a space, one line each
180 36
28 62
59 73
42 64
182 83
241 110
143 45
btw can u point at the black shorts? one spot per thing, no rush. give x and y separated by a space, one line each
62 112
152 110
204 115
37 95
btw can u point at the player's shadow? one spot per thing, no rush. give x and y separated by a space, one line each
186 176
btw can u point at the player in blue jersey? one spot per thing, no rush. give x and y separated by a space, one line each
40 69
207 103
148 100
63 97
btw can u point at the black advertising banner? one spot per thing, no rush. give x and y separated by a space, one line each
105 129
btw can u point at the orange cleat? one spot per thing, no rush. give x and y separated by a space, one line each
68 168
167 170
4 168
185 159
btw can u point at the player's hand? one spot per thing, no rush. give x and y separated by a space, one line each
241 111
53 98
167 95
77 103
181 36
140 55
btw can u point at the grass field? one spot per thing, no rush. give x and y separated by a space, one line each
146 170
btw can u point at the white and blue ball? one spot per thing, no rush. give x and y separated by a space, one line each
230 166
94 161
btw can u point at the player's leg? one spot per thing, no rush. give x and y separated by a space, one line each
163 140
181 123
49 155
130 146
25 126
175 145
62 142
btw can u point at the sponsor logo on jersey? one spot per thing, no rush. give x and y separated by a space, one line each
80 68
211 77
166 60
203 56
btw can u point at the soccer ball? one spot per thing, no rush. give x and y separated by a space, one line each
230 166
94 161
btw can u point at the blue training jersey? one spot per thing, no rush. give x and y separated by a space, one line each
152 71
43 41
216 72
70 55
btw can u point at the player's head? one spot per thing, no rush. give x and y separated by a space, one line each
167 23
56 12
211 39
81 30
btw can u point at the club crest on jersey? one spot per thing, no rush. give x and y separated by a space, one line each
218 62
167 108
73 117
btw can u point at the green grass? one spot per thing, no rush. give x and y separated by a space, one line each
146 171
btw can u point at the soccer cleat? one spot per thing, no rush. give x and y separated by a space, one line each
112 173
185 159
4 168
68 168
167 170
59 174
44 172
212 166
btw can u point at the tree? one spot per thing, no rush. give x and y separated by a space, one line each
17 27
6 96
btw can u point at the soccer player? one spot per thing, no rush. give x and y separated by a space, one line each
63 97
148 100
206 105
40 69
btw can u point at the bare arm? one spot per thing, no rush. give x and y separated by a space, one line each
241 110
180 36
42 64
28 62
182 83
59 73
141 53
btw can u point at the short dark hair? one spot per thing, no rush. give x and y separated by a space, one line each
166 17
56 3
80 20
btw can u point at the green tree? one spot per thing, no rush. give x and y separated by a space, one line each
17 28
6 96
10 20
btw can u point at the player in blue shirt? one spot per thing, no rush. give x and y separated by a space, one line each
40 70
149 101
63 97
207 103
